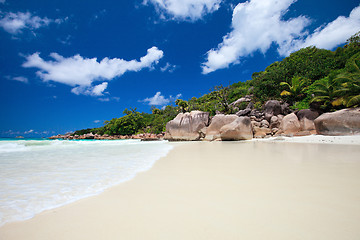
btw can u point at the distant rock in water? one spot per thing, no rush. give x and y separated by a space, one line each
19 137
342 122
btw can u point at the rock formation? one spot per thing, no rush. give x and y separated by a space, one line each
217 122
239 129
306 118
186 126
342 122
290 124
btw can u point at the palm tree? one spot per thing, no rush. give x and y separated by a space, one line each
327 92
350 90
295 91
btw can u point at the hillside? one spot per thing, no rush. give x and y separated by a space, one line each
309 78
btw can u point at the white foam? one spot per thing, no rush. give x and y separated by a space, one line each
41 175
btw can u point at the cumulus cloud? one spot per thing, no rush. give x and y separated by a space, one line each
257 24
30 131
14 23
97 121
185 9
97 90
80 72
330 35
160 100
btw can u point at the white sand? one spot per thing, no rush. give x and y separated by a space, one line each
349 140
220 190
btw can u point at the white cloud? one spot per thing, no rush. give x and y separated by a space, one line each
116 99
81 72
168 67
14 23
104 99
97 90
2 1
21 79
256 24
30 131
160 100
185 9
329 36
97 121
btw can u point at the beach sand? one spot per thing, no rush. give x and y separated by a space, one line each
220 190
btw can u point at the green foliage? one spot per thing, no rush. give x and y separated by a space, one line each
309 77
304 104
183 105
326 92
296 90
83 131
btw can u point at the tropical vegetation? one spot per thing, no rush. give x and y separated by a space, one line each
309 78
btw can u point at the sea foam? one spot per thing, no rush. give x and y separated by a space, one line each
41 175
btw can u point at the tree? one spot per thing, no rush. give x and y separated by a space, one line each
182 104
222 96
326 92
295 91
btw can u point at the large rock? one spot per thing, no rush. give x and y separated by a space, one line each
261 132
186 126
239 129
217 122
307 113
306 118
343 122
274 122
272 108
290 124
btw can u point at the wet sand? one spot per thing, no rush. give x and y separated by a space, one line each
220 190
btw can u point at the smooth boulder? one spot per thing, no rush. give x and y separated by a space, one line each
272 108
290 124
306 118
186 126
261 132
217 122
239 129
342 122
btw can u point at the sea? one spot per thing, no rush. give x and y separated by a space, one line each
40 174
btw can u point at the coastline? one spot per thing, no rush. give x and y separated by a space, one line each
320 139
221 190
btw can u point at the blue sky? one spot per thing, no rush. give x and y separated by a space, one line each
68 65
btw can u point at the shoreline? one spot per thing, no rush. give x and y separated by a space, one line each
322 139
154 194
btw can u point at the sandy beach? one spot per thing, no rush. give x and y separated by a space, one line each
221 190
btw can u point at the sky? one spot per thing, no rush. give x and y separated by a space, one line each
69 65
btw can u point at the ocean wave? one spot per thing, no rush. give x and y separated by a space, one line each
38 175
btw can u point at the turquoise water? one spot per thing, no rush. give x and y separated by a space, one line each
38 174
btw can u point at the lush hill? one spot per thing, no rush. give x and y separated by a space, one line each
311 77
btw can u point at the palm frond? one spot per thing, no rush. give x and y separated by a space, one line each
320 99
355 100
285 93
